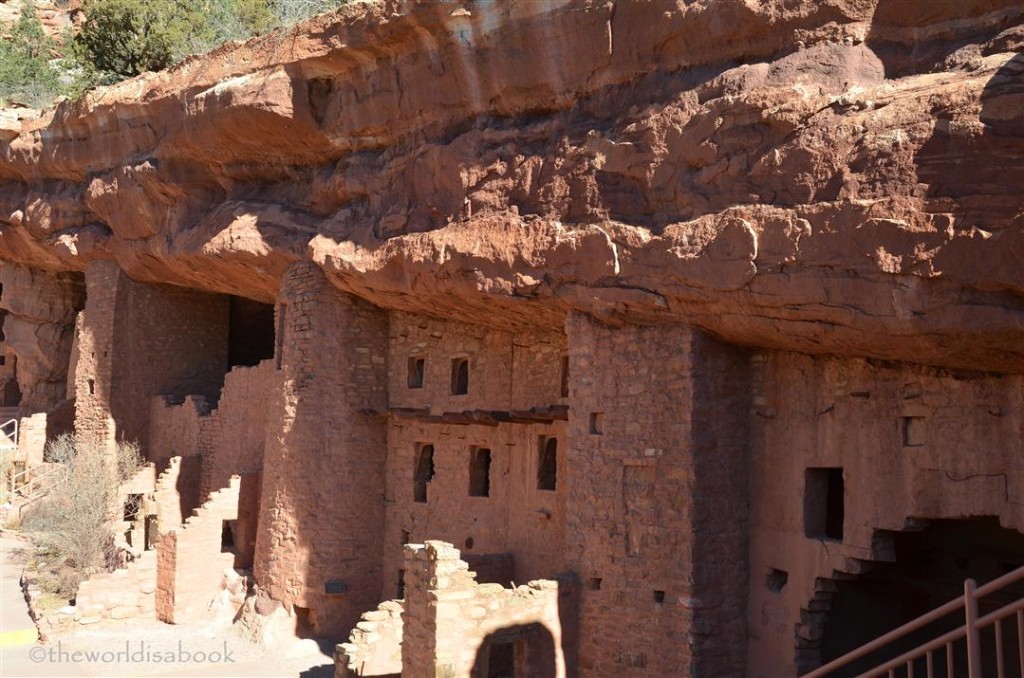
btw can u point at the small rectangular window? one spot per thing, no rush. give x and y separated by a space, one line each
565 377
479 472
424 473
914 431
460 376
416 368
547 464
596 423
824 498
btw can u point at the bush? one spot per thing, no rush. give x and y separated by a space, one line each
25 72
123 38
75 522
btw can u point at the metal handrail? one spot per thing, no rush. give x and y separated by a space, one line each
968 604
30 487
13 425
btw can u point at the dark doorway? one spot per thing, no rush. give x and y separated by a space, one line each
251 335
929 570
523 651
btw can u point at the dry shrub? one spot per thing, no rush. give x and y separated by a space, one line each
74 524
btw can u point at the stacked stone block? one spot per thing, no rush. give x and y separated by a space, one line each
322 514
656 487
191 569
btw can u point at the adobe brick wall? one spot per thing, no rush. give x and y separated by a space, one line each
322 514
190 564
849 413
653 497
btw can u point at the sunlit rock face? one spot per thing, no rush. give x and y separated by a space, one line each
837 177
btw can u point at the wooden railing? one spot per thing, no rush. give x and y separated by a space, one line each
923 657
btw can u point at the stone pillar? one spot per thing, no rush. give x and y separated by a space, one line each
94 363
322 509
39 329
656 505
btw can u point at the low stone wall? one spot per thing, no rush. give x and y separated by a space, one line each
374 647
124 593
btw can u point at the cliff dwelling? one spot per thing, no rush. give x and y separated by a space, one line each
544 338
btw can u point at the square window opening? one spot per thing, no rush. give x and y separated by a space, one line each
914 431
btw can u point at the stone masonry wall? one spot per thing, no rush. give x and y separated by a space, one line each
322 512
234 434
510 373
912 443
122 594
191 567
138 341
655 483
516 517
451 622
169 341
507 371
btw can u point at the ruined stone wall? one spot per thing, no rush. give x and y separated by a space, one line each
191 563
168 341
122 594
138 341
655 484
912 442
174 428
451 623
322 514
234 434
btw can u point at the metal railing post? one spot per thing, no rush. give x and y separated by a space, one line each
971 626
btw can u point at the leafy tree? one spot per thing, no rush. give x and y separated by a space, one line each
25 71
128 37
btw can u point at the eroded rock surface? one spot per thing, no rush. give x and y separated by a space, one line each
829 177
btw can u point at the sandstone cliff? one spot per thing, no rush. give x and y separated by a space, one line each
838 176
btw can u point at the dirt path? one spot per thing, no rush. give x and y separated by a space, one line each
135 648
